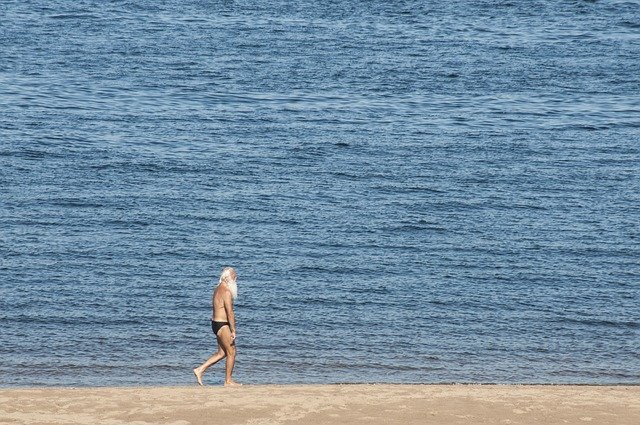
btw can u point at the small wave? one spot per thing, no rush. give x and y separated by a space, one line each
630 24
602 322
30 154
413 227
76 203
83 16
378 290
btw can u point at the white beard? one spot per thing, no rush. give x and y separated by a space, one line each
233 288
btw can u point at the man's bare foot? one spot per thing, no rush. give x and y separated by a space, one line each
198 374
232 383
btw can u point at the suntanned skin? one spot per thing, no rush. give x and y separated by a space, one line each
222 311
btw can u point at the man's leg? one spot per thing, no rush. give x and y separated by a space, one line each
199 371
225 341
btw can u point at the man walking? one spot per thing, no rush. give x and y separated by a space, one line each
223 324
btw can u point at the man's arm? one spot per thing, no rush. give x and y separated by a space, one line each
228 308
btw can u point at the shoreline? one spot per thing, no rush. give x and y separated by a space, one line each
324 404
345 384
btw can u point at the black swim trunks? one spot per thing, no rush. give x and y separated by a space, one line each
216 326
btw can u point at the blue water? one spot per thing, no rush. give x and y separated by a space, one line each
411 191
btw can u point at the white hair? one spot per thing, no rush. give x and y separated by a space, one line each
227 277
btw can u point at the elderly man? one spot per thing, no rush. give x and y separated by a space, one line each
223 323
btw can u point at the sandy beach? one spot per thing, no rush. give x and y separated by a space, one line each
324 404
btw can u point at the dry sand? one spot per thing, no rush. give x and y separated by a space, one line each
324 404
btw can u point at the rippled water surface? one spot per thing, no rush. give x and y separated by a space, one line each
411 191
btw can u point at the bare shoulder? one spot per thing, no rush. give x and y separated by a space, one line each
221 293
225 293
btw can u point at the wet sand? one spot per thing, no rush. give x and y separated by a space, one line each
324 404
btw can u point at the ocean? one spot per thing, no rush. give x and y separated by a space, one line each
411 191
